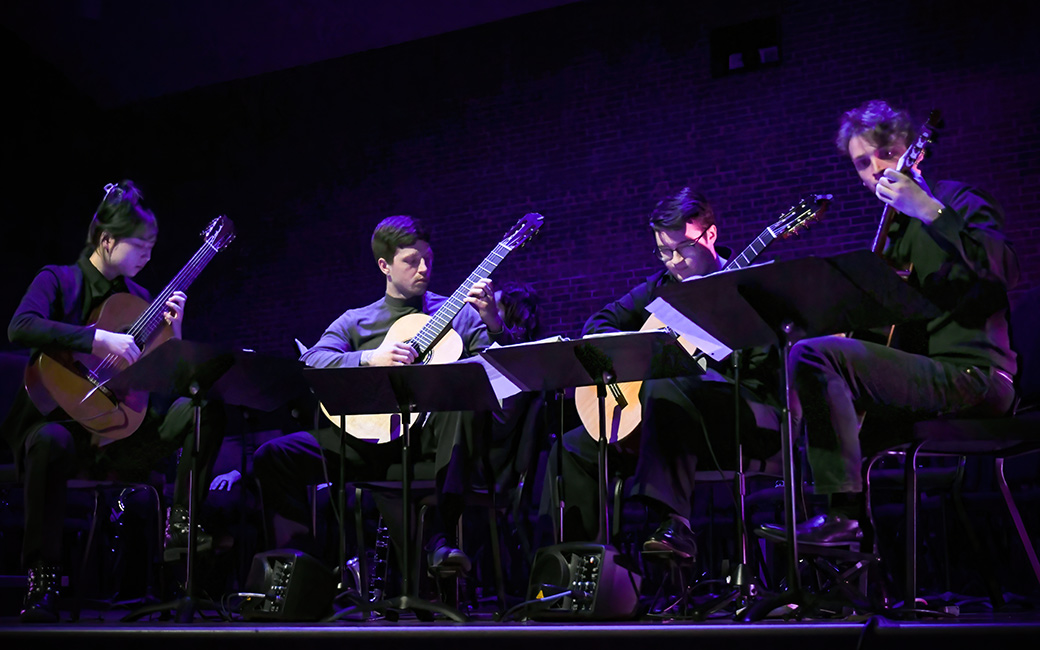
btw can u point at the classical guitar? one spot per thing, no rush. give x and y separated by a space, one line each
75 381
908 163
623 410
432 336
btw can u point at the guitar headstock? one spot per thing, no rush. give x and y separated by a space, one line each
809 209
917 151
219 233
525 229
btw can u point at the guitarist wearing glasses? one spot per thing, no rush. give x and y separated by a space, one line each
64 311
684 419
949 237
367 336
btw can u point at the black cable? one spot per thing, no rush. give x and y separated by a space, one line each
544 602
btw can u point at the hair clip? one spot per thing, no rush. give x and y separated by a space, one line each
112 187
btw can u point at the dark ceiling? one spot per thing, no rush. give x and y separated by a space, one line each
121 51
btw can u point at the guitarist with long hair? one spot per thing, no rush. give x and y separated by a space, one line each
685 419
949 236
364 337
57 314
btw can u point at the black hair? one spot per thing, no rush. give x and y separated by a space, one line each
520 303
394 232
122 215
674 212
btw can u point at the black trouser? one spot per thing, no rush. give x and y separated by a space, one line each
286 466
681 416
57 451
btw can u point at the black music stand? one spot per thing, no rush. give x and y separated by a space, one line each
778 304
594 360
204 371
404 390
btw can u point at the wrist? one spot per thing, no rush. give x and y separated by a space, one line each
494 329
366 357
932 211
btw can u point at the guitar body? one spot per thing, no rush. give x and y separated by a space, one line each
74 381
380 428
622 415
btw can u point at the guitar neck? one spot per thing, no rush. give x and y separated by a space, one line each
152 318
753 250
441 321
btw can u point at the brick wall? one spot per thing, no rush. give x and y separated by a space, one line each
587 114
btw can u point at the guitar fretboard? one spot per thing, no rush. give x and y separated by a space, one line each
753 250
440 321
152 317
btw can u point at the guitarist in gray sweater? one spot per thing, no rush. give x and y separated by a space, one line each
399 328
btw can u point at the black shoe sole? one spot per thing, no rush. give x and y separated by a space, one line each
653 546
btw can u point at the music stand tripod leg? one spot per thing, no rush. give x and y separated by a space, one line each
601 456
185 607
408 600
792 595
740 577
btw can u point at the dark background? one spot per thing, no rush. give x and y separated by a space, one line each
587 112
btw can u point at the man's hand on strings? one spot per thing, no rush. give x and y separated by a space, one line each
389 353
482 296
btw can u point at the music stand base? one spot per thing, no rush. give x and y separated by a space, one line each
793 599
183 609
424 610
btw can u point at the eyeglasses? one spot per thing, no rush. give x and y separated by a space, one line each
685 249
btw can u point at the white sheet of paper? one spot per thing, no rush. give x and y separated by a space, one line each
501 384
689 330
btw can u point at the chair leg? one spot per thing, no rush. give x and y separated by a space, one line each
80 588
910 485
362 553
496 556
1017 518
984 566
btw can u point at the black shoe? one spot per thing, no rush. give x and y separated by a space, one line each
672 536
176 540
822 530
447 559
41 601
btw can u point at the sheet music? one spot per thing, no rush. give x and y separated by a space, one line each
500 384
689 330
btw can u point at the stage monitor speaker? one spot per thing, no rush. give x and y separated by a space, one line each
602 584
288 585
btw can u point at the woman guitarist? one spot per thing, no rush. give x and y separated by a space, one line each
57 315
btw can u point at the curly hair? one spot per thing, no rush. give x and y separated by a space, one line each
876 122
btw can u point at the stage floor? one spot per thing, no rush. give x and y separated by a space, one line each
97 629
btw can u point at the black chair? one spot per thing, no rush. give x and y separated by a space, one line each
997 438
93 522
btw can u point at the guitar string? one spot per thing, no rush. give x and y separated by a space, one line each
148 321
456 301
